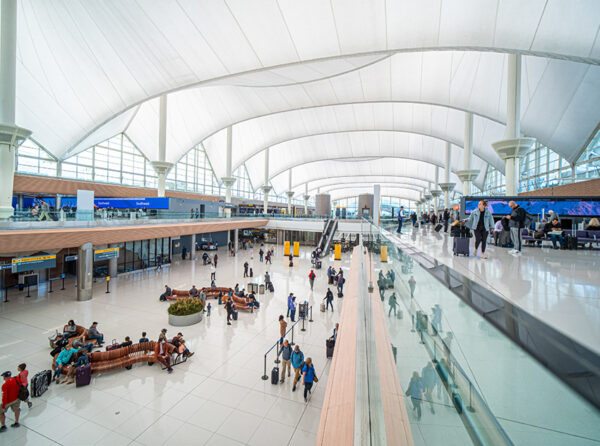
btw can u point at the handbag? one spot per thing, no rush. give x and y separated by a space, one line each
23 391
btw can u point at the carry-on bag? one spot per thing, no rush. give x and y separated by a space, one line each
438 227
83 375
114 345
322 307
40 382
460 246
275 375
329 344
340 294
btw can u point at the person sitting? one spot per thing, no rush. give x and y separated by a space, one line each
93 333
59 343
179 344
555 231
194 291
213 284
168 292
162 335
162 354
82 359
236 289
143 338
204 258
81 345
126 343
70 329
241 293
593 225
64 358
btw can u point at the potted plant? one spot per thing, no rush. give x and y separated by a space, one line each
185 312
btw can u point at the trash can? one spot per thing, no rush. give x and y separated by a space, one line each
261 289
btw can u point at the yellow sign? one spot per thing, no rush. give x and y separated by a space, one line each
384 253
108 278
296 249
286 248
100 251
337 253
33 259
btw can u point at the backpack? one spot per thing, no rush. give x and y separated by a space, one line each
23 392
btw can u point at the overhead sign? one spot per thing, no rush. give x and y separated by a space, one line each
132 203
33 263
71 258
7 266
105 254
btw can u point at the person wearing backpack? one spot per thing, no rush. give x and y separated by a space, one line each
308 377
311 278
22 379
329 299
10 399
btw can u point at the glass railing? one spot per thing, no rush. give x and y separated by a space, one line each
480 385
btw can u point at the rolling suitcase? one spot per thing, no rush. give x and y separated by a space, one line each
83 375
330 344
322 307
438 227
340 294
291 263
318 264
271 288
112 346
461 246
40 383
234 315
275 375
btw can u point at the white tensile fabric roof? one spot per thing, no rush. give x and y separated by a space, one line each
310 77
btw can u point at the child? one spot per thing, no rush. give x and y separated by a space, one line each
208 310
22 379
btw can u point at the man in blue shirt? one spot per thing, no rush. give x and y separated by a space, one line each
400 219
289 303
415 391
297 359
308 377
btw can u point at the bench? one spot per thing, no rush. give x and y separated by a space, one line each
178 294
210 292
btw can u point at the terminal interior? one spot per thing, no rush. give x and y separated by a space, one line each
300 223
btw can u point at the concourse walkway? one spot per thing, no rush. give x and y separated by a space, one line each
559 287
217 397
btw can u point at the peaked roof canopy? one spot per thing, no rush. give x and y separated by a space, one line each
315 81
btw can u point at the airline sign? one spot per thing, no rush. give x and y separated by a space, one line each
33 263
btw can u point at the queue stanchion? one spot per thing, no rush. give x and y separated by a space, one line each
292 343
5 294
50 285
265 376
277 361
63 282
311 319
107 284
28 295
303 318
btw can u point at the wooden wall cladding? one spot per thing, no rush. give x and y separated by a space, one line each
590 188
49 185
42 239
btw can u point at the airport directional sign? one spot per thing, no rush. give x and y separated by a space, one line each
105 254
33 263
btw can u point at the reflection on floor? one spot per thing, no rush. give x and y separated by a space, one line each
561 288
531 404
215 398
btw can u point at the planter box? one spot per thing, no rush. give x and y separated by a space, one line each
184 321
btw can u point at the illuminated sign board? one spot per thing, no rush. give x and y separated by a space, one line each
105 254
33 263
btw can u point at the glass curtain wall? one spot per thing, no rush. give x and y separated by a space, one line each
34 160
193 173
140 254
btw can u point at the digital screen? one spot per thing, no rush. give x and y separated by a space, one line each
576 208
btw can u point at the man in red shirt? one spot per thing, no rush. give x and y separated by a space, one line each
10 399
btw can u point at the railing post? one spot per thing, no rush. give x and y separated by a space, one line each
28 291
63 284
277 361
470 407
292 343
311 319
303 317
265 377
50 285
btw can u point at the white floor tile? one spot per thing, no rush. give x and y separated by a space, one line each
160 431
271 433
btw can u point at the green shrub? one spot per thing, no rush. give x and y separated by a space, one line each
185 307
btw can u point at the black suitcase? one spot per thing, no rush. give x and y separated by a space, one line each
271 288
330 344
291 263
318 265
570 242
438 227
460 246
40 383
251 273
234 315
275 375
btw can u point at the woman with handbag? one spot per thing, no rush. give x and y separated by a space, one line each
308 377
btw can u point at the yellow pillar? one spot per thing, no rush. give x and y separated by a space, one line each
384 253
337 252
296 249
286 248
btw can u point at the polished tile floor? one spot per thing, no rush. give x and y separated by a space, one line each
562 288
215 398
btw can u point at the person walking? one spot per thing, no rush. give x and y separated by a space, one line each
415 391
436 318
286 352
282 328
268 257
446 218
261 254
393 302
215 259
246 269
400 219
481 222
308 377
412 283
516 223
229 309
213 272
44 215
22 379
329 276
293 309
311 279
10 400
340 283
297 359
329 299
267 280
289 304
429 381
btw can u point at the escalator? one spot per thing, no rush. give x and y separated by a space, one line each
331 232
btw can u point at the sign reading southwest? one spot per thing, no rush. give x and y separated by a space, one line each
132 203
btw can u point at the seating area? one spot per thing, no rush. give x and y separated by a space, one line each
210 292
583 237
81 336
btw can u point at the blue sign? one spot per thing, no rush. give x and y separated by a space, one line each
575 208
132 203
33 263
